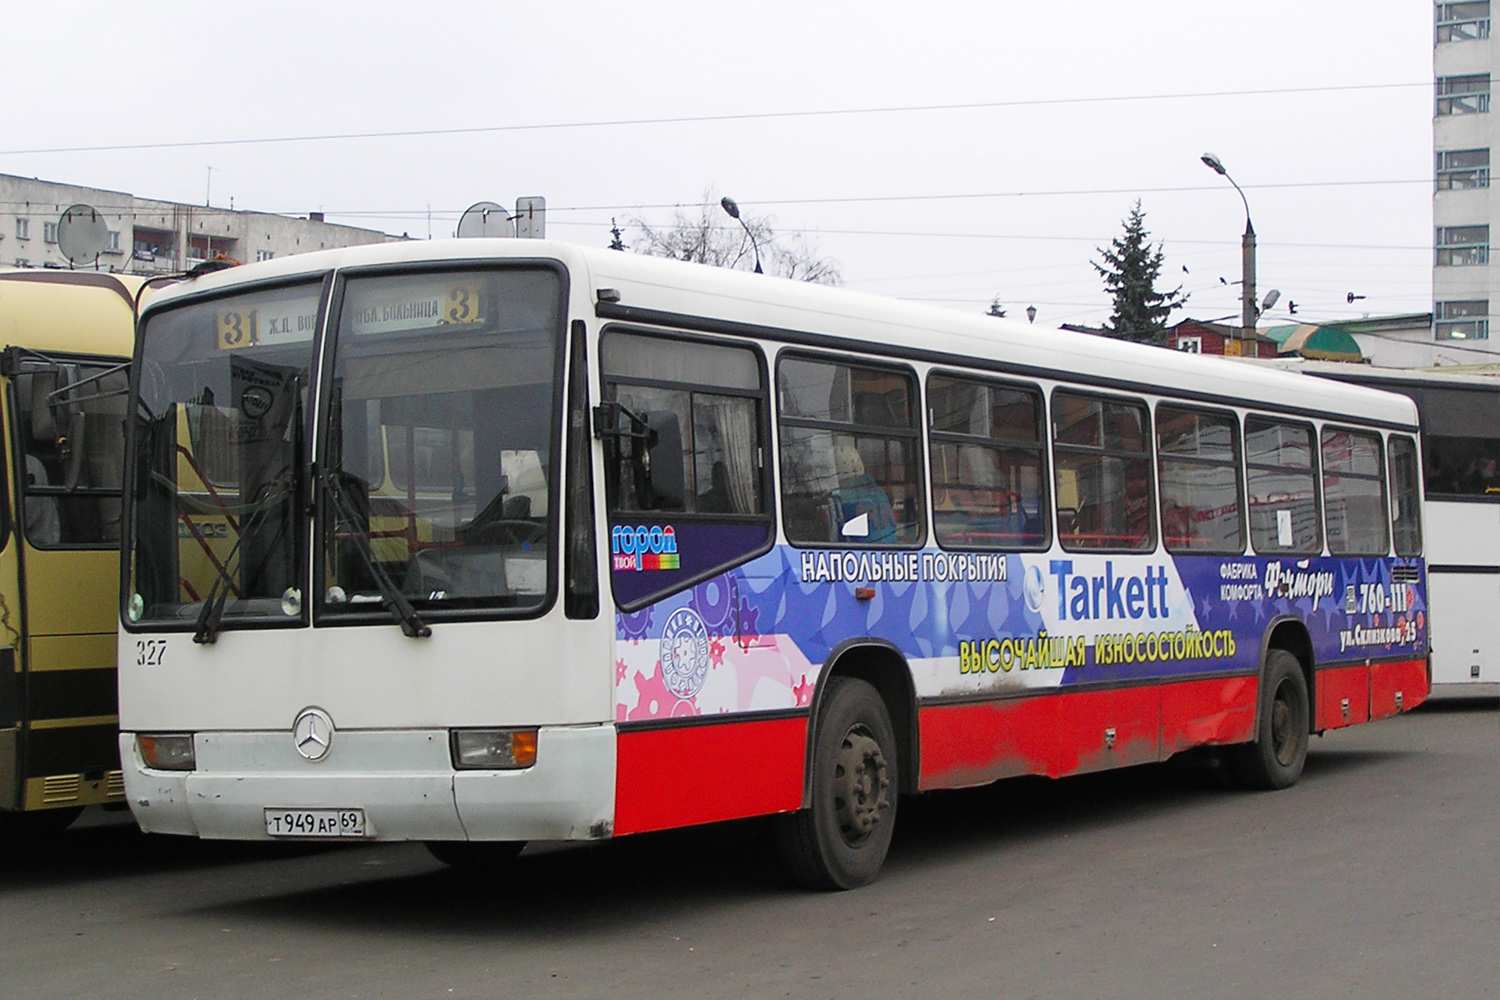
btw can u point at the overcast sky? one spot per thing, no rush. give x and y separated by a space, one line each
946 152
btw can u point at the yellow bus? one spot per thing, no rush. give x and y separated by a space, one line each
66 338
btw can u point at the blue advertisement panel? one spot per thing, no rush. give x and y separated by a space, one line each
978 624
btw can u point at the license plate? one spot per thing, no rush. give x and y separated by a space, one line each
315 822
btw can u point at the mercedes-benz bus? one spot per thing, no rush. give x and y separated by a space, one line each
680 545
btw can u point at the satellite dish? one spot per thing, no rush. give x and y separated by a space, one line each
485 218
82 234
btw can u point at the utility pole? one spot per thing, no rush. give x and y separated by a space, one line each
1248 311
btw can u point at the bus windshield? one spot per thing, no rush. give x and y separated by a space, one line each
218 434
434 455
438 467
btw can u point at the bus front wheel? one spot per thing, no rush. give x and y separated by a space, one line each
1276 758
841 840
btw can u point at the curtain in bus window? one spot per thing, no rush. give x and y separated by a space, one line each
1461 434
1406 498
1102 473
1281 488
730 424
1354 507
1200 482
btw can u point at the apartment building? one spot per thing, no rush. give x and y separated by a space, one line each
150 236
1465 275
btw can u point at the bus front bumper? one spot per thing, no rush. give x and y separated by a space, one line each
402 783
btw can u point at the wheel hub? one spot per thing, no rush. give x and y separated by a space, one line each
862 785
1283 740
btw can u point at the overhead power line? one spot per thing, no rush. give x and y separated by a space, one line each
860 199
699 119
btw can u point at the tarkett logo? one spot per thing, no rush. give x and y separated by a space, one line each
642 547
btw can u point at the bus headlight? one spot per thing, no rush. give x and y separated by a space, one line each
166 753
493 748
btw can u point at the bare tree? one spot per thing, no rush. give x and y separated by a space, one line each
709 236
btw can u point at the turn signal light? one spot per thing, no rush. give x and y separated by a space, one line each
494 748
166 753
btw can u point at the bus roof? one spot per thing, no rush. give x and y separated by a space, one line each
76 312
652 289
1479 377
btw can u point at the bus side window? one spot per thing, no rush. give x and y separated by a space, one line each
988 472
1199 471
1354 506
684 434
1102 473
687 431
1460 440
1406 496
849 463
1281 480
71 420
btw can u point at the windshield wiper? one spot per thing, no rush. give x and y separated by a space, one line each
206 631
391 597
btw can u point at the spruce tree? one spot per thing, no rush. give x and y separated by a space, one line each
617 238
1130 269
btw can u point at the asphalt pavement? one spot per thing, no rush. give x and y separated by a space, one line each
1377 876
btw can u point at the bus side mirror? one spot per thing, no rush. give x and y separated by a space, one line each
664 484
35 410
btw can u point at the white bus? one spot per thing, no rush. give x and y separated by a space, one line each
527 542
1460 414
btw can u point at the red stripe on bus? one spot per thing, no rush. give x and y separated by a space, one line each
1343 697
668 778
1370 692
1058 734
1207 713
1407 678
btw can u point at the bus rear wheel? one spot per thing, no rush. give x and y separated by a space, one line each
1276 758
841 840
476 856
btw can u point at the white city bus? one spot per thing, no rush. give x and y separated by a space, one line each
527 542
1460 414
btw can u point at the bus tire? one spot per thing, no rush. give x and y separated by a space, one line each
476 856
841 840
1276 757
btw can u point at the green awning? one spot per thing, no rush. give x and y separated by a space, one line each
1321 343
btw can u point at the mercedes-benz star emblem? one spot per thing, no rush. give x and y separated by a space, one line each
312 733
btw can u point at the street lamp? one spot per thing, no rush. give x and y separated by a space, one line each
1031 314
727 203
1247 250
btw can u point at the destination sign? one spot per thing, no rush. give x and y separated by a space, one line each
263 324
404 307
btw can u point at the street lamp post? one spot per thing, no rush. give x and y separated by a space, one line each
733 211
1247 251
